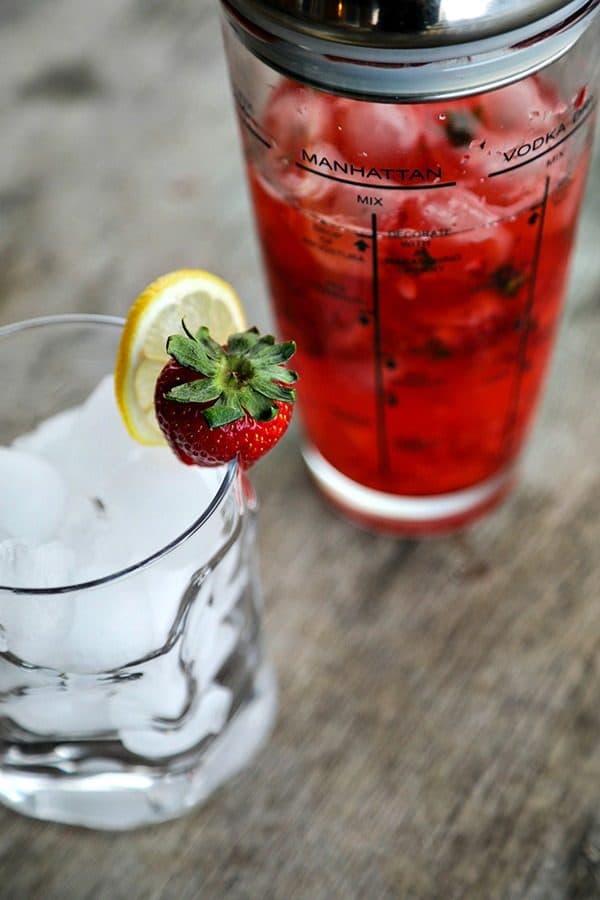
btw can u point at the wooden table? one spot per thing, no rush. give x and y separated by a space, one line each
439 731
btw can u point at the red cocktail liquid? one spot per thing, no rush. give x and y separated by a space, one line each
418 255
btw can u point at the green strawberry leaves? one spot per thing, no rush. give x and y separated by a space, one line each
200 353
245 377
201 391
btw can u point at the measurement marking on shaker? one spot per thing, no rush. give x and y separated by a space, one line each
377 186
549 149
522 351
256 134
382 444
252 130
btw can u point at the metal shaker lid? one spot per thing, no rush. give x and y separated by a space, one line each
410 23
409 50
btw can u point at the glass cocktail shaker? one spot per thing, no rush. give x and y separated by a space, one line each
417 170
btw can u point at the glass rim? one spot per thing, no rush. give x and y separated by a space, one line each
217 498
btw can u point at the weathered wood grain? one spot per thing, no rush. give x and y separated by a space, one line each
439 733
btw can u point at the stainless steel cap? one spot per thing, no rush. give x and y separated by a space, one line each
409 50
409 23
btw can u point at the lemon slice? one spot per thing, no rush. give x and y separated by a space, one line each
197 297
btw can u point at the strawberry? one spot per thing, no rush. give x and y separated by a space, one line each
214 403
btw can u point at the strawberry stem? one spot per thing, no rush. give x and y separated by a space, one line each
247 376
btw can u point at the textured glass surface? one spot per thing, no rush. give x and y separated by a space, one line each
128 698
